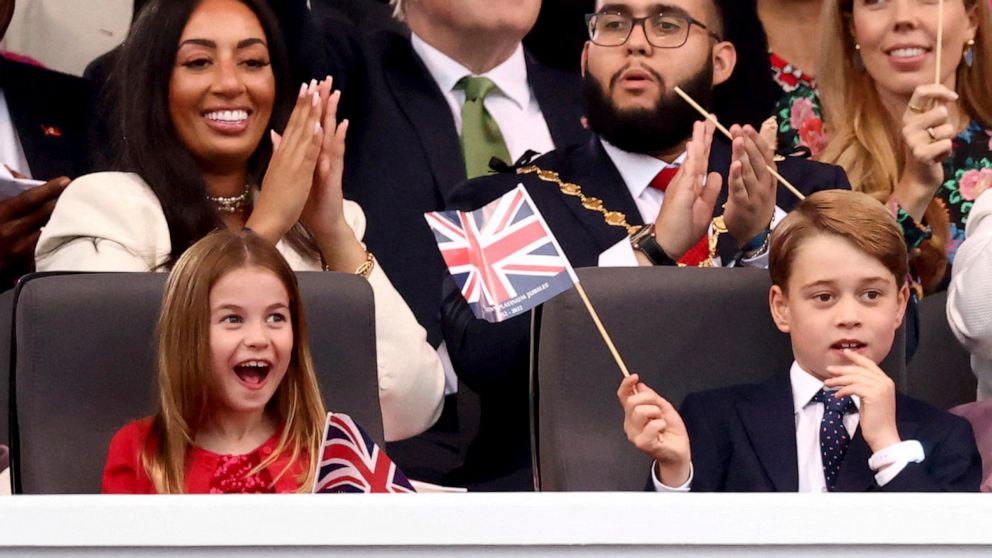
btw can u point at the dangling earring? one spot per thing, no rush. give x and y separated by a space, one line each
858 62
969 53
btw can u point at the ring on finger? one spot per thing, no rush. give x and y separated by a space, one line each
915 108
933 137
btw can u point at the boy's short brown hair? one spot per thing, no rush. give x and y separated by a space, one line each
858 218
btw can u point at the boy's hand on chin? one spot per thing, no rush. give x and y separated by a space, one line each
654 426
878 398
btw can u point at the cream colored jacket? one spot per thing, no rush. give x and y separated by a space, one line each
112 221
969 297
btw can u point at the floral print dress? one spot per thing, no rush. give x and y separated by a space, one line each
798 111
967 172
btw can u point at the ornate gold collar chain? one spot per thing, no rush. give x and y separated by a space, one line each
616 218
612 218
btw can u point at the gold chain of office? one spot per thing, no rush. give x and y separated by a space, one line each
616 218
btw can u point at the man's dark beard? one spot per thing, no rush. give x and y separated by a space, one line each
648 131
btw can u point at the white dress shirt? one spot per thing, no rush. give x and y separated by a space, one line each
11 152
637 171
513 105
808 415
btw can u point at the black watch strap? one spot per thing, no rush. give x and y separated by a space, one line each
645 242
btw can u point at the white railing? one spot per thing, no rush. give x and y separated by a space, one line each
500 524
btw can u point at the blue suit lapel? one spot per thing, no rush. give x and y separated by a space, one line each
39 128
591 168
423 104
768 417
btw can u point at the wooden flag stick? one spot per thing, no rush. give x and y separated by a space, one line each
712 118
940 40
602 330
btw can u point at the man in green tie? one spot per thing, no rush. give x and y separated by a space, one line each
472 50
481 138
434 98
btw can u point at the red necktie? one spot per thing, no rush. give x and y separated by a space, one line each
700 252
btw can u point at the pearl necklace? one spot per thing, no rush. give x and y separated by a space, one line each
232 204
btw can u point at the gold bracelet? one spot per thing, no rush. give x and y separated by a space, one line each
364 270
367 266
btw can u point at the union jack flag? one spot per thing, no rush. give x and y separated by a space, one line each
351 462
503 256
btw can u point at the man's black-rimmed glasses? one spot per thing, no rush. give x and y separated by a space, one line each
661 30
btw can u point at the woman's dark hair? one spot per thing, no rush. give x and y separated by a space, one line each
749 96
145 139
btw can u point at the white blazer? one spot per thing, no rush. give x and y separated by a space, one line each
112 221
969 297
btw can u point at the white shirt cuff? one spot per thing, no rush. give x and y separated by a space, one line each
761 260
661 487
896 456
620 254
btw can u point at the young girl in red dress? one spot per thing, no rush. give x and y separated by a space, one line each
241 410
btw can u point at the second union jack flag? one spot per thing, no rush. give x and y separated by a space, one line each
503 256
351 462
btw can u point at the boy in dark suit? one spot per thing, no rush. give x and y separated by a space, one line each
835 423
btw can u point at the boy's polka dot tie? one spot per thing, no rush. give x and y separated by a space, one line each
833 436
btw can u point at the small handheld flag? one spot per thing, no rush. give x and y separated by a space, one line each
502 256
940 41
505 260
351 462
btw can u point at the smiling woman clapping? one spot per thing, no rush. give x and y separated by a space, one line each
203 83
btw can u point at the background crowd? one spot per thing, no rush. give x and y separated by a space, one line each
327 128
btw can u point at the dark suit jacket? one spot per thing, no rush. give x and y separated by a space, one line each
493 358
49 111
744 440
404 155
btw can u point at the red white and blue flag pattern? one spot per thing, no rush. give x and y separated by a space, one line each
503 256
351 462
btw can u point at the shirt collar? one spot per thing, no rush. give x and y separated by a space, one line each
510 76
805 386
637 169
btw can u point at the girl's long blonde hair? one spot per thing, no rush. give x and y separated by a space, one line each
863 139
184 363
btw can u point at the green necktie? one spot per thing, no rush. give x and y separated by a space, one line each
481 138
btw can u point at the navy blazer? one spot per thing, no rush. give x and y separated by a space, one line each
744 440
49 110
493 359
404 154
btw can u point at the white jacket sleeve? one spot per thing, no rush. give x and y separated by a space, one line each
108 221
969 297
411 378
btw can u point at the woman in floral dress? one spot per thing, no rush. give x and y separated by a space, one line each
921 147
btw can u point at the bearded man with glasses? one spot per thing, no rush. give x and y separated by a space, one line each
660 176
